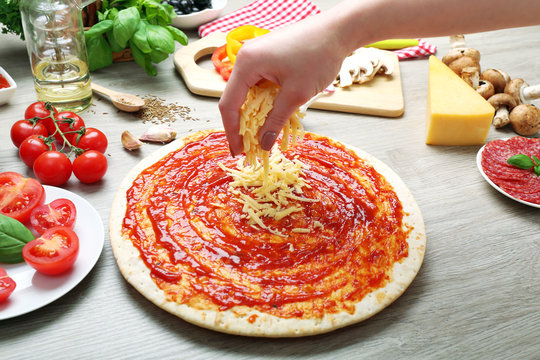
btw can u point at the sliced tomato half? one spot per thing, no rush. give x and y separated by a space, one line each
7 285
60 212
54 252
19 195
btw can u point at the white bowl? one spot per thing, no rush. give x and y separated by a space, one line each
193 20
7 93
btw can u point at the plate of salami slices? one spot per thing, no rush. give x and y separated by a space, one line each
521 185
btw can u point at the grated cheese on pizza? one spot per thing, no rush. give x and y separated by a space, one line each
269 194
277 181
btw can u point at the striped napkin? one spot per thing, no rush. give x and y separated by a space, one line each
273 14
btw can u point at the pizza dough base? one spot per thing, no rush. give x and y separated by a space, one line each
236 322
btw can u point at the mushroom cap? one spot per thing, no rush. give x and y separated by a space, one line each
457 53
461 63
513 88
502 99
497 77
486 89
525 119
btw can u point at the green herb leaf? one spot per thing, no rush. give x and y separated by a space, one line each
10 17
125 25
521 161
13 236
114 45
142 59
178 35
537 170
160 39
99 29
158 56
99 53
140 38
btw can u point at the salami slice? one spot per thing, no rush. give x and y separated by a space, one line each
519 183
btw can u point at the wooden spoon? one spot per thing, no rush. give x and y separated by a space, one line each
122 101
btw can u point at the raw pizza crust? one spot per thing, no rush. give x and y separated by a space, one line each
138 275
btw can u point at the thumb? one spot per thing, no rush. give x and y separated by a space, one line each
286 103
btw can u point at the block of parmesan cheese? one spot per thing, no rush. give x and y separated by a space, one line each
456 113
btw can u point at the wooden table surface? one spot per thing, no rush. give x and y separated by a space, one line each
477 294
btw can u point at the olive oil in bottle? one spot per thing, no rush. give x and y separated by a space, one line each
57 50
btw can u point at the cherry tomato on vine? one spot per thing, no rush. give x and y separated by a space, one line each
90 166
32 147
39 109
92 139
7 285
67 122
60 212
53 168
54 252
19 195
22 129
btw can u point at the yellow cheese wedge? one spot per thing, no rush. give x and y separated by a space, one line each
456 113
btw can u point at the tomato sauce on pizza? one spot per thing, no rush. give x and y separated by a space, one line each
201 250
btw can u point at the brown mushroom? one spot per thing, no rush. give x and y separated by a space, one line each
497 77
513 88
525 119
485 89
522 91
465 62
503 104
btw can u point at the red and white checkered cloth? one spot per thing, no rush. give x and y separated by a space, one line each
273 14
422 49
266 14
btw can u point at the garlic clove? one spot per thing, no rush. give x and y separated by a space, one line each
130 142
159 133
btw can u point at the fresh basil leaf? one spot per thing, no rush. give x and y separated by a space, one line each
125 25
521 161
115 46
178 35
99 28
151 13
160 39
536 160
111 14
13 236
537 170
164 15
140 38
101 15
142 59
158 56
99 53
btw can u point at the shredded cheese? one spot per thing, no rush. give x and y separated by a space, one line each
259 102
270 180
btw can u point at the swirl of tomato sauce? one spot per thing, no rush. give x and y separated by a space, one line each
200 248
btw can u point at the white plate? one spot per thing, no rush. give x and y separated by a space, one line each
35 290
193 20
479 165
7 93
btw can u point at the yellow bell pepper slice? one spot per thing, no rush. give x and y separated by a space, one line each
236 38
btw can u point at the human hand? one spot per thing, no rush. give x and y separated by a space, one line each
303 59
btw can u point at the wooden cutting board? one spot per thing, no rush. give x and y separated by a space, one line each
381 97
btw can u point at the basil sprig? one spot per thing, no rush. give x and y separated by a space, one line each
141 25
525 162
13 236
